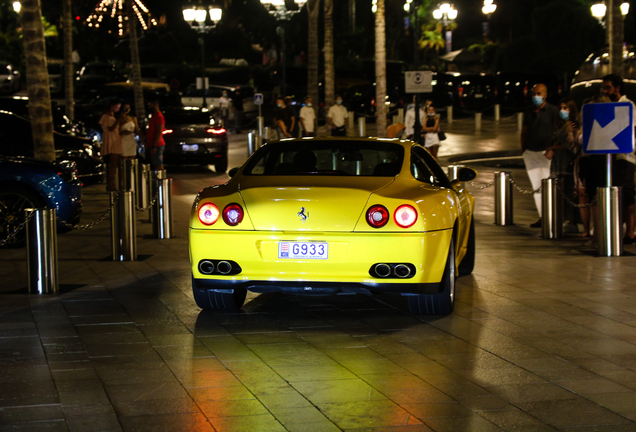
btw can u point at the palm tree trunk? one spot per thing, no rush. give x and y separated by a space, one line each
67 23
330 84
380 70
313 7
615 33
140 109
38 88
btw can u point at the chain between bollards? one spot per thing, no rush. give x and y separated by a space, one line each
17 230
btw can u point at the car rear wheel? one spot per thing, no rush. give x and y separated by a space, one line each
443 302
211 300
13 202
221 166
468 263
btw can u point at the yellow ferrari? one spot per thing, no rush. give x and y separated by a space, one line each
334 216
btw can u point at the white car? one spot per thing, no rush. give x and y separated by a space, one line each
193 97
9 78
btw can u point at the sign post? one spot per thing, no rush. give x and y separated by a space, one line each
418 82
608 128
258 100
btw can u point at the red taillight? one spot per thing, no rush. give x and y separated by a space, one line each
377 216
216 131
233 214
525 90
208 214
405 216
460 90
373 102
167 131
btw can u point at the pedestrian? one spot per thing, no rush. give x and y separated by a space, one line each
237 109
563 152
536 137
128 127
111 145
224 107
337 117
282 119
431 131
308 118
291 113
623 174
409 121
155 145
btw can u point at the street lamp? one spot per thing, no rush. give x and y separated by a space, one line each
17 6
599 10
413 6
278 9
488 9
447 14
197 17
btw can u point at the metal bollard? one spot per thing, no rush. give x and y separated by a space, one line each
162 217
350 123
519 121
131 169
453 171
362 127
610 221
477 122
142 191
551 209
497 113
41 235
251 143
449 114
401 115
261 124
503 198
122 226
266 134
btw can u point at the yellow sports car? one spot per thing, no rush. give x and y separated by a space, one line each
334 216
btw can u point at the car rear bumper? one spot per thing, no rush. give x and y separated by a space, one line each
350 260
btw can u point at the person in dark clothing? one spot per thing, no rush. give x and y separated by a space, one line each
283 119
291 112
237 108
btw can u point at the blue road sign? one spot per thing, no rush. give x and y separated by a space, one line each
258 98
608 128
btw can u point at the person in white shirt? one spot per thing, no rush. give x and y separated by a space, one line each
308 118
337 117
224 107
409 121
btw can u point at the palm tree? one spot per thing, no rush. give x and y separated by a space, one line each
140 109
615 32
67 23
313 8
380 70
330 85
38 88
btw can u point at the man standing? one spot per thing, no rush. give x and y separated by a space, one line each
237 108
154 136
623 174
224 107
337 117
290 114
282 119
536 136
308 118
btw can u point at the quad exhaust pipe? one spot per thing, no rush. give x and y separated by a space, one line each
224 267
216 267
386 270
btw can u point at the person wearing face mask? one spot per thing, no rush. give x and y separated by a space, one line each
623 174
563 153
308 118
536 136
282 119
337 117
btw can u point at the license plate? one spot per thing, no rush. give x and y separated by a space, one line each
303 250
190 147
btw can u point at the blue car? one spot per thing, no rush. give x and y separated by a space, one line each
29 183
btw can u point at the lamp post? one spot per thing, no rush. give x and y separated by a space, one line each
197 17
413 7
446 14
488 9
17 6
278 9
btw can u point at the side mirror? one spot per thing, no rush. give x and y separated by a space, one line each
233 171
466 174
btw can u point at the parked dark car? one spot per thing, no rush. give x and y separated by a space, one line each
16 139
9 78
93 76
194 136
28 183
361 100
514 89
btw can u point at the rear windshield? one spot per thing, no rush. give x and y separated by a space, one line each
327 158
190 117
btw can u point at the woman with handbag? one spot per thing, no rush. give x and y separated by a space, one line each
431 129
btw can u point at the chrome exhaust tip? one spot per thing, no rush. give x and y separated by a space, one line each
382 270
223 267
206 267
402 271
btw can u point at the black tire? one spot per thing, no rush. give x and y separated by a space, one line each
221 166
468 262
12 205
443 302
210 300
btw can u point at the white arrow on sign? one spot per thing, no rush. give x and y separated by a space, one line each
601 137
